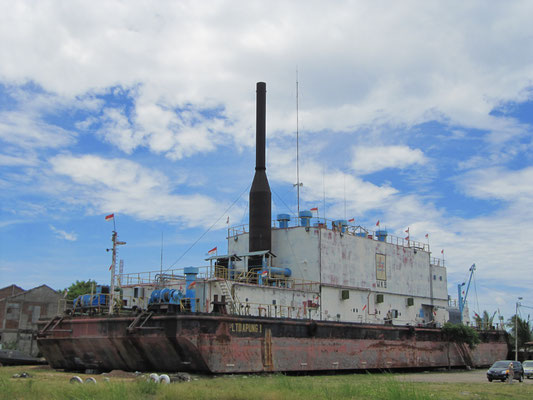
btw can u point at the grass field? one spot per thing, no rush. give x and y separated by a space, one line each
48 384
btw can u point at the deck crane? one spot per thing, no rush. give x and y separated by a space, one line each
462 300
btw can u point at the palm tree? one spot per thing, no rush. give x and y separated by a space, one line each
484 322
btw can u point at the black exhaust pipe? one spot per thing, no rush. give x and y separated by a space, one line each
260 196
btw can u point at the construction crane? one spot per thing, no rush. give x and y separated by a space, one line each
462 300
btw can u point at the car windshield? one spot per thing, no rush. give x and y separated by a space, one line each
528 364
500 364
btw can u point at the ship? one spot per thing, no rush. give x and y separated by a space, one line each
294 294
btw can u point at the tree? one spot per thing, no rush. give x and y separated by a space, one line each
80 287
525 333
485 321
461 335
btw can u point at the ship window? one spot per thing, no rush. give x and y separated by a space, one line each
434 277
440 278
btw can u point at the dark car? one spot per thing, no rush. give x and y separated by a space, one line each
499 369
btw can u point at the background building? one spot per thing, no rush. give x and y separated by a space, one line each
19 312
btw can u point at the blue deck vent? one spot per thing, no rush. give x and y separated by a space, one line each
190 282
305 218
382 235
283 220
340 224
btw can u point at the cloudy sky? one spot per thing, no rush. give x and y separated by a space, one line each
418 114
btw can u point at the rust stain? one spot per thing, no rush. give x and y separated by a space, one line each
267 351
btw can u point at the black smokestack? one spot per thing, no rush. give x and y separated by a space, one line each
260 197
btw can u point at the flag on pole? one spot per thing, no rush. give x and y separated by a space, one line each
314 209
377 223
227 221
109 217
427 235
212 251
351 220
407 230
442 251
407 238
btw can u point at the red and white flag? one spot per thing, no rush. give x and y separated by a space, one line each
109 217
407 230
427 235
407 238
212 251
351 220
377 223
442 251
314 209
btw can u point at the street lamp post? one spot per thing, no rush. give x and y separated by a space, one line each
516 330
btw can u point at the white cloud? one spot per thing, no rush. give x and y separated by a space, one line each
123 186
397 64
372 159
72 237
335 184
498 183
17 161
29 132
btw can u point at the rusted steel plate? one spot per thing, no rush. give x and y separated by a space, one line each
230 344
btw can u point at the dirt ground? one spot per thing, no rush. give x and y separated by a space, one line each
475 376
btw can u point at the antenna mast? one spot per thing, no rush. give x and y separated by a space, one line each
298 184
113 265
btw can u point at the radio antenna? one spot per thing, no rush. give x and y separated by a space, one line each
298 184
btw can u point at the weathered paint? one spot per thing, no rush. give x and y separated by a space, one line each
228 344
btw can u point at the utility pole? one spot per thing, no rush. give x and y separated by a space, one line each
516 330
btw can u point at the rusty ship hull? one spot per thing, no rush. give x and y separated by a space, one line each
234 344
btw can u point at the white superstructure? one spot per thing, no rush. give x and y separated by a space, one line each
337 272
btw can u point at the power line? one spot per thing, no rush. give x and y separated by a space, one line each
211 227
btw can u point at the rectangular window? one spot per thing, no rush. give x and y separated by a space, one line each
13 311
381 267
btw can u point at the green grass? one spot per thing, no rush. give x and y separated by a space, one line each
48 384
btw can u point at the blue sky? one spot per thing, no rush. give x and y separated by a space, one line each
419 115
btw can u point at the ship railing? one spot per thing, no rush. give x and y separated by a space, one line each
154 277
350 229
186 304
273 310
236 230
439 262
254 277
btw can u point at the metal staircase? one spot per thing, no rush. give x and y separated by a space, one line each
231 300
